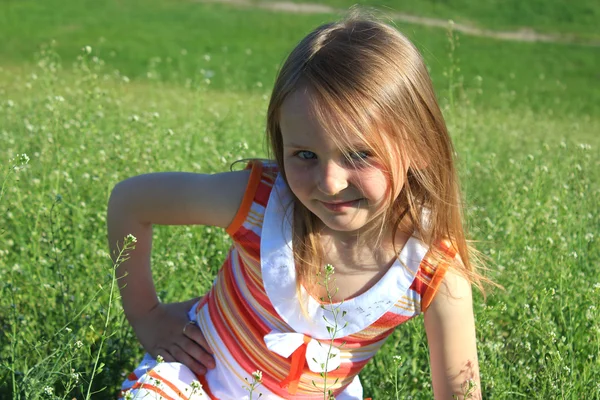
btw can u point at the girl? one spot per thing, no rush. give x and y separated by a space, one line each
362 182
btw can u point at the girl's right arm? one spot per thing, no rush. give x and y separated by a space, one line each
171 198
450 327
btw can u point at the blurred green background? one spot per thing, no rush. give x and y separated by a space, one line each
179 39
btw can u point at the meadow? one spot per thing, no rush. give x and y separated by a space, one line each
94 92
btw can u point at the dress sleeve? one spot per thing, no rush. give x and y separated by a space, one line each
446 254
256 168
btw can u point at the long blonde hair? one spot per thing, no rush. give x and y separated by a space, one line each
374 80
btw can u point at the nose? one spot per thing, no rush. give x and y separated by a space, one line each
333 178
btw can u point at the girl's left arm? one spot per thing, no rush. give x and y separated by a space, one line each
450 327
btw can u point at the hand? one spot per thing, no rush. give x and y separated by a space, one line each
161 332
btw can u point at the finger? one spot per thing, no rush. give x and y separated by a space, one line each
197 352
184 358
194 333
164 353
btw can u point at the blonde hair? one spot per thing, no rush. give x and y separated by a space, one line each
375 82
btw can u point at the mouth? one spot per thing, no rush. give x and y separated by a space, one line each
340 205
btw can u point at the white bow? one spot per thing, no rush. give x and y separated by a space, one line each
320 357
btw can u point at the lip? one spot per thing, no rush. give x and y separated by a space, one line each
340 205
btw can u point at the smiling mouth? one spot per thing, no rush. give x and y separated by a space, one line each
340 205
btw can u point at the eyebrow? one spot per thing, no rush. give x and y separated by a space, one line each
295 145
357 146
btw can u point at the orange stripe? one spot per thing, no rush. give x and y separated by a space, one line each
154 389
439 273
433 287
204 384
171 385
253 182
298 361
242 335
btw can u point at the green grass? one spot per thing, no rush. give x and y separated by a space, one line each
239 48
579 18
530 168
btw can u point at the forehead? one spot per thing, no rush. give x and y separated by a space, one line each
297 107
303 119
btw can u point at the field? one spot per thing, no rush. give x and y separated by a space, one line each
95 92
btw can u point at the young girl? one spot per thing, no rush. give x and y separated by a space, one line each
363 182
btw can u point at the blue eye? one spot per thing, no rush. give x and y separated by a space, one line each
358 155
306 155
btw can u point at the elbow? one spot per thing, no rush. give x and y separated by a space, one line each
130 199
120 201
117 197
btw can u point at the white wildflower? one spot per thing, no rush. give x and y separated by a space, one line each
330 269
196 385
584 146
257 376
130 239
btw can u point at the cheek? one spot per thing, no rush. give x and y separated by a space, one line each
299 179
395 182
375 185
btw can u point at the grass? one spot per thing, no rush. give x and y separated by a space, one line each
185 42
529 165
577 18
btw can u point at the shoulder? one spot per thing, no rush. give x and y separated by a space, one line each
438 259
262 175
450 294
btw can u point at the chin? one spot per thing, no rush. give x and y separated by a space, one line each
342 227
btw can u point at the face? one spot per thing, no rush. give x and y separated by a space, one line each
346 189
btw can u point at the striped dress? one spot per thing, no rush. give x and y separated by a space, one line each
253 321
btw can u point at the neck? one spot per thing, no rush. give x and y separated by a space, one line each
374 246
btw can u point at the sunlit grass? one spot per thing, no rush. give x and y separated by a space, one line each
240 48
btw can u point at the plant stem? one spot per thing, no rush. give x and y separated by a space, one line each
128 245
